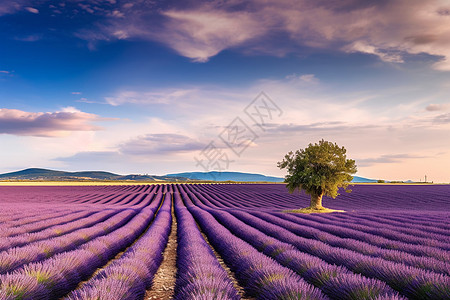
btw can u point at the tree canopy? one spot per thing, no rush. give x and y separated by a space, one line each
319 169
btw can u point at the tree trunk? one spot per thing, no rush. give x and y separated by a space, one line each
316 201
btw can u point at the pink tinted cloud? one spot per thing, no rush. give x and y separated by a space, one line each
160 144
48 124
32 10
203 33
438 107
11 6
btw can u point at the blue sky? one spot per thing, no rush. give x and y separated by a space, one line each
145 86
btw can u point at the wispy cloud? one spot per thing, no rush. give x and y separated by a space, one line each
203 33
29 38
48 124
380 140
160 144
76 93
326 127
387 159
386 29
32 10
4 74
438 107
152 97
199 30
442 119
303 79
90 157
86 100
11 6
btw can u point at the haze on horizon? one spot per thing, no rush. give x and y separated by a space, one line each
145 86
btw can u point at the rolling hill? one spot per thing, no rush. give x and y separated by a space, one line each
37 174
244 177
227 176
52 175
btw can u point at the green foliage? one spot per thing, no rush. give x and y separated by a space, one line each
381 181
319 169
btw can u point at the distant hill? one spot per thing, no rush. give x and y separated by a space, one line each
358 179
227 176
52 175
245 177
44 174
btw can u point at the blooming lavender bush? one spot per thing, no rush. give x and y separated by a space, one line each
392 243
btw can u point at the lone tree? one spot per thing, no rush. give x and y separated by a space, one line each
320 169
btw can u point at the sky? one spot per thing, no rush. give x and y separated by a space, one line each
157 87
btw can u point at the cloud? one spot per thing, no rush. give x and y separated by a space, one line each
393 31
371 127
335 126
153 97
92 157
76 93
393 56
442 119
11 6
4 74
160 144
438 107
29 38
390 30
86 7
203 33
302 79
48 124
387 159
32 10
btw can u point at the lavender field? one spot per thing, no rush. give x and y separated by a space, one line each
233 241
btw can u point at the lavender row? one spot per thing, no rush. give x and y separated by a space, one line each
11 212
16 257
58 230
379 229
412 282
56 276
431 220
427 263
114 199
372 239
132 274
250 200
245 200
363 197
35 223
199 275
337 282
261 276
18 230
393 223
119 200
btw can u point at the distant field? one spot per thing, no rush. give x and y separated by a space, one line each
225 241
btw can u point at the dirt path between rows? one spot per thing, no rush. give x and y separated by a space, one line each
164 280
115 258
231 275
